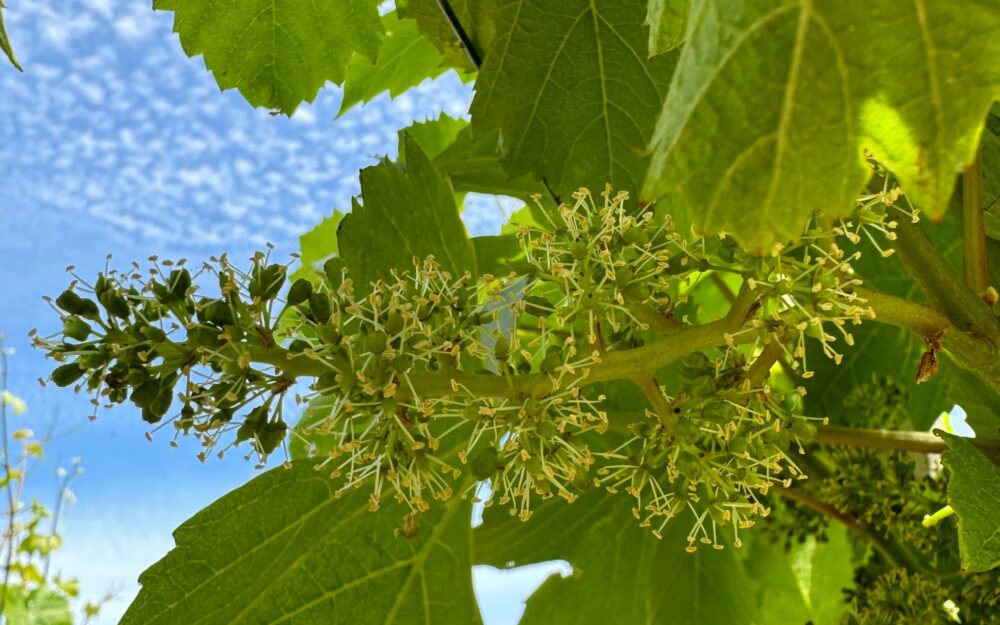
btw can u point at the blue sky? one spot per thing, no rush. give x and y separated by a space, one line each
114 142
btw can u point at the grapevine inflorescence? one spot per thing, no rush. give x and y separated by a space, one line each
426 381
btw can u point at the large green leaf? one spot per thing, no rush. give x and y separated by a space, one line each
406 213
5 41
667 21
405 60
569 87
477 18
774 102
284 550
804 584
621 573
278 54
974 493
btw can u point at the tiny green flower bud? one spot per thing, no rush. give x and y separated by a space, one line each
70 302
299 292
76 328
67 374
501 349
319 307
485 462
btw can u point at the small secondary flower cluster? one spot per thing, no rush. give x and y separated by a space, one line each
727 444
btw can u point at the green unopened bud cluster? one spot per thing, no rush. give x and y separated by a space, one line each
426 382
150 339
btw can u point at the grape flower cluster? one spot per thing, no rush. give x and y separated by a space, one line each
427 381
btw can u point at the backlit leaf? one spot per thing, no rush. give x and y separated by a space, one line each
803 584
667 21
773 104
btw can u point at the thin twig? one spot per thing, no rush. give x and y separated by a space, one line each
63 492
920 442
893 553
730 296
9 555
653 318
550 191
463 38
931 271
761 366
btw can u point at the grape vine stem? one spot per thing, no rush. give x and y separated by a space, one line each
642 363
920 442
619 365
892 552
973 350
946 290
974 227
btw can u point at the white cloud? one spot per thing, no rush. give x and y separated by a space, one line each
101 7
137 23
304 115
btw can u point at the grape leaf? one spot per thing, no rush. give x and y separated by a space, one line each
405 60
283 550
991 172
473 163
5 42
638 578
494 252
318 244
885 350
568 85
773 103
974 493
407 213
991 191
804 584
434 136
277 54
667 21
478 20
